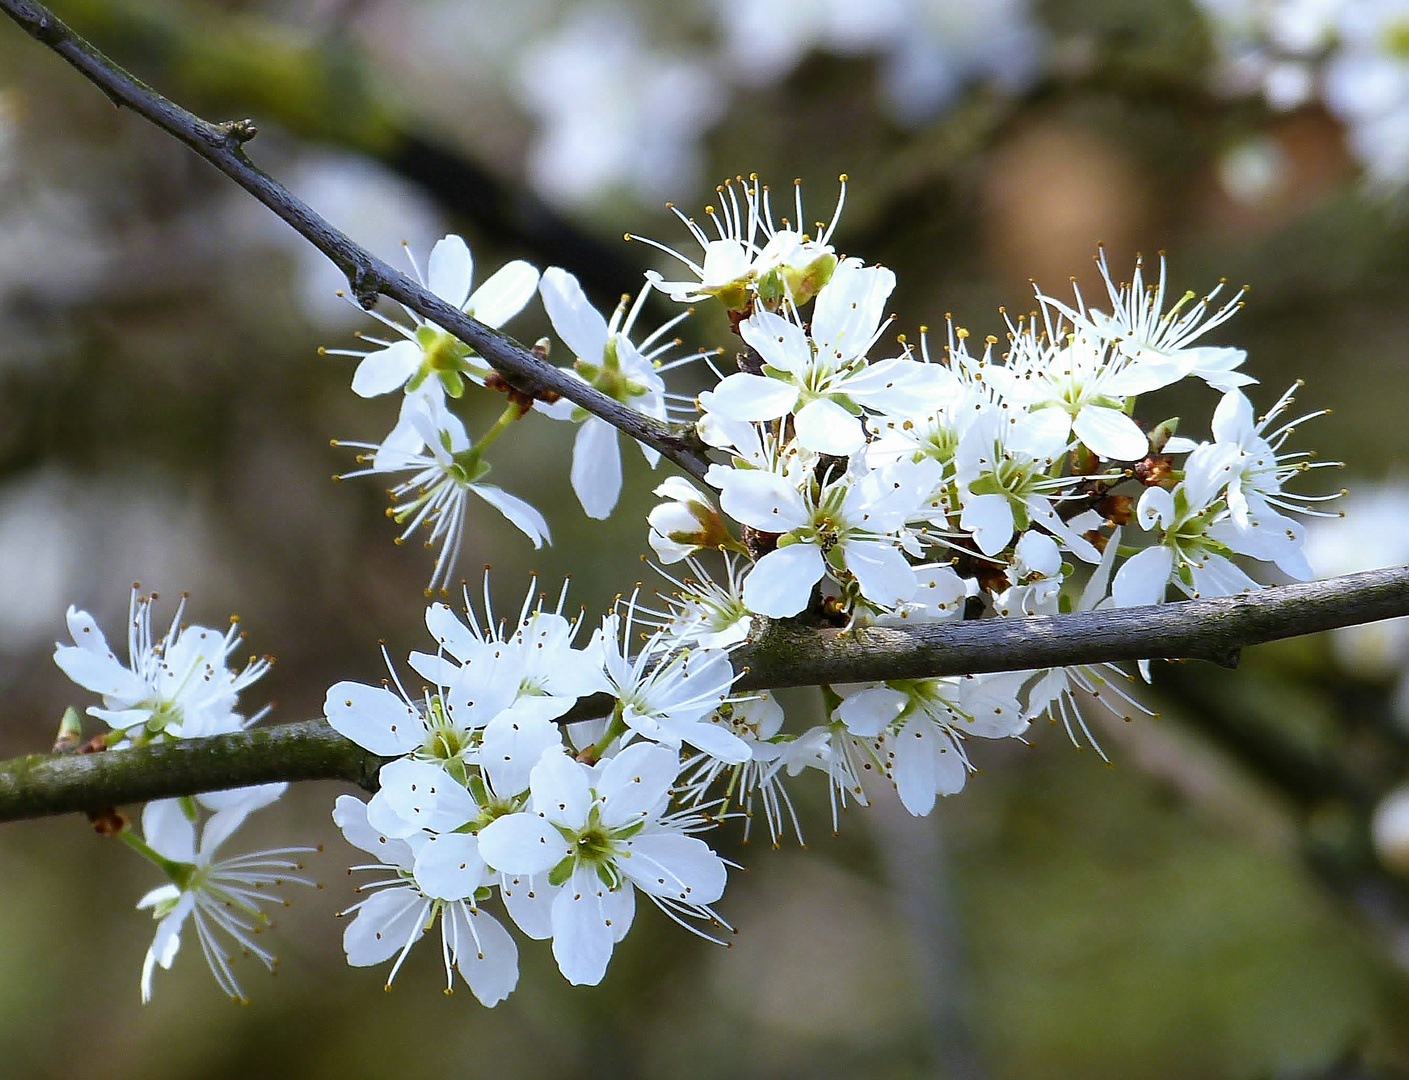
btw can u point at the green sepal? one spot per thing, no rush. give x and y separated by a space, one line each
560 873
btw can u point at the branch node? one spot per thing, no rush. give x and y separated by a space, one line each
235 133
366 284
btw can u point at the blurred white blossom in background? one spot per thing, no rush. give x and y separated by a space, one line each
930 50
1375 533
377 208
64 538
613 113
617 113
1350 55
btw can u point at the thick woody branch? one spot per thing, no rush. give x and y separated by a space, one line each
42 785
782 655
369 277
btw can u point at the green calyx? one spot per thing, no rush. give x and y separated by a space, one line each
608 376
442 356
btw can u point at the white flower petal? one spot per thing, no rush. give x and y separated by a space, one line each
1110 433
484 953
596 468
782 343
1144 578
374 718
387 369
450 270
762 499
518 513
780 584
824 426
575 320
582 931
881 570
505 294
385 924
522 843
746 397
990 519
449 867
673 865
869 712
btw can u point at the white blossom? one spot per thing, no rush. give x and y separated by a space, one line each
601 833
222 898
178 685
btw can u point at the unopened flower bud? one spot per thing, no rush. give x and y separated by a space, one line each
686 523
1161 433
1155 471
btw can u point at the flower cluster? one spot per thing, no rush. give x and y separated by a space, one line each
179 686
484 795
539 782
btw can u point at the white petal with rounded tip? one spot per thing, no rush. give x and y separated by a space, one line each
561 788
374 718
101 673
714 740
742 396
529 900
1144 578
881 570
782 343
673 865
826 427
167 830
596 468
724 261
575 320
85 632
582 932
484 953
869 712
249 799
451 270
635 783
926 764
507 292
514 742
1233 419
1039 553
350 815
449 867
1110 433
990 519
424 794
781 583
450 632
762 499
522 843
849 308
901 385
387 369
518 513
383 926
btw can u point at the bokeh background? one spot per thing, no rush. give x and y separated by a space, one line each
1225 899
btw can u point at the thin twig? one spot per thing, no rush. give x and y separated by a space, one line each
368 276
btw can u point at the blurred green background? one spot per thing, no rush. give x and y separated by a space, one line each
1216 904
